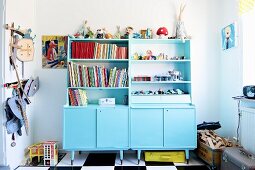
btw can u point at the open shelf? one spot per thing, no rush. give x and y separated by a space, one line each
159 61
99 88
161 82
99 60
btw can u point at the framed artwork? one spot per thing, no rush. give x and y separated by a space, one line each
228 36
54 51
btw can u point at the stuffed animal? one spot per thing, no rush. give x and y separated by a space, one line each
180 28
117 35
129 33
100 34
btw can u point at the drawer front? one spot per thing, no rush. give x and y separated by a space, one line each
168 99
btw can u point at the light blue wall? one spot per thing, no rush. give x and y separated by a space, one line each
231 72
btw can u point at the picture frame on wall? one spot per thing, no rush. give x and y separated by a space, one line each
54 51
228 36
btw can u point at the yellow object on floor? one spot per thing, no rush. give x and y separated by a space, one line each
165 156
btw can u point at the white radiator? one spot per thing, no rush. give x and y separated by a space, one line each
247 128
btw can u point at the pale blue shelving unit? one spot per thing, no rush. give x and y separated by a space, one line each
136 122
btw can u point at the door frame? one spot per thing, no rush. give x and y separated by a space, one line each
2 76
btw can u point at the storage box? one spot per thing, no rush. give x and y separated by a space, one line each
209 155
165 156
236 158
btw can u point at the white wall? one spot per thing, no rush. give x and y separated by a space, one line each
21 13
64 17
231 72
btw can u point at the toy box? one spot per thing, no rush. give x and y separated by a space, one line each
165 156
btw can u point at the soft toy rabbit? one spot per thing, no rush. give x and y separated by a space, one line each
180 28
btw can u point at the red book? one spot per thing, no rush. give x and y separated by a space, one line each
73 50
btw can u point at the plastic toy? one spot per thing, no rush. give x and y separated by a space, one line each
89 34
36 150
50 153
136 57
129 33
162 31
117 35
100 34
137 35
148 33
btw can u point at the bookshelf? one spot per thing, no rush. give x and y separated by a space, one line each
156 114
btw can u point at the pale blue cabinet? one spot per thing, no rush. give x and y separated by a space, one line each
112 128
146 128
180 128
79 128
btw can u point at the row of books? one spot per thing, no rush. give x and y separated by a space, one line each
81 75
77 97
93 50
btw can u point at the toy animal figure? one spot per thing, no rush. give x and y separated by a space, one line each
129 33
89 34
107 34
180 28
117 35
100 34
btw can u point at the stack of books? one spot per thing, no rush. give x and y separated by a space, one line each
96 76
92 50
77 97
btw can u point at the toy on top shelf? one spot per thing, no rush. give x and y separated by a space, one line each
149 33
129 33
100 34
89 34
180 31
162 31
117 35
136 35
107 34
81 33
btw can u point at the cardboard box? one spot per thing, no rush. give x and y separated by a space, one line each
209 155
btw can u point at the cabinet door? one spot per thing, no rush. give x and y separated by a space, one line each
112 127
180 128
146 128
79 128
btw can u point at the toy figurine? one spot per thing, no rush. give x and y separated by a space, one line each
129 33
89 34
100 34
107 34
137 35
117 35
180 28
136 57
162 31
148 55
148 33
